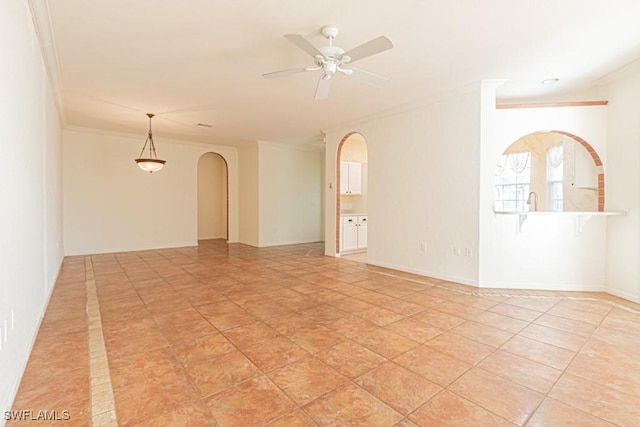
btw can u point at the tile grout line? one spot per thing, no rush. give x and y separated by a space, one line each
103 411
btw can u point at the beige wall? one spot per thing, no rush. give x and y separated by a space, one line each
248 197
622 187
31 248
212 197
423 187
110 205
548 252
290 200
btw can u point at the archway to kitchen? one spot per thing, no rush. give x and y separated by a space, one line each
351 197
213 197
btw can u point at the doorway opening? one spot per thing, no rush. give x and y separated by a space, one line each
213 197
351 197
552 171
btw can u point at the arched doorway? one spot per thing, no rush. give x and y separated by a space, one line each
351 196
213 197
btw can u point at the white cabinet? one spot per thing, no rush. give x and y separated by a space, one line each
362 232
353 232
350 178
349 234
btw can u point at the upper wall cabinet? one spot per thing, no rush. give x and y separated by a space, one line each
350 178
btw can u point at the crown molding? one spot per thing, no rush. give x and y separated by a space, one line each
41 18
552 104
630 69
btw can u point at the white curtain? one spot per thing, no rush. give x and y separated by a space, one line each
502 163
519 161
555 155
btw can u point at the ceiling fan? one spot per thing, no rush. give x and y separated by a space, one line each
332 59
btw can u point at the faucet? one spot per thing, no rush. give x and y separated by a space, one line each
533 196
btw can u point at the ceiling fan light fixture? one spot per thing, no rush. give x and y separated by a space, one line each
151 163
330 68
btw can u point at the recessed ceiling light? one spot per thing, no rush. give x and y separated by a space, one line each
550 81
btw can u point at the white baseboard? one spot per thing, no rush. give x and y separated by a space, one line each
427 274
537 286
624 295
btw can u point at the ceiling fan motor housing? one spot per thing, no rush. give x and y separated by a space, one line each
331 52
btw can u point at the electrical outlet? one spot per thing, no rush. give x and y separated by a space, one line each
423 247
457 250
468 252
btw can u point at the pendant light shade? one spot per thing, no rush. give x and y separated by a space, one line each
151 163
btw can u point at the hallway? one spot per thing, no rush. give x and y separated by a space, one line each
233 335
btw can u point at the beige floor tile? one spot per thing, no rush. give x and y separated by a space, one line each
227 334
482 388
306 379
339 408
600 401
554 413
212 376
398 387
540 352
351 359
434 365
254 402
386 343
528 373
448 409
462 348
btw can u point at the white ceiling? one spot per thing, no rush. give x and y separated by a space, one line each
201 61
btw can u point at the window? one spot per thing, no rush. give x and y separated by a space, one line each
512 178
555 194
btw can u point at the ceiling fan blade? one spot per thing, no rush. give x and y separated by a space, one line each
368 78
322 91
369 48
303 44
284 73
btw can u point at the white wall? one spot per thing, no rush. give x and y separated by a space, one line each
547 253
422 188
212 197
622 187
248 197
290 200
30 190
110 205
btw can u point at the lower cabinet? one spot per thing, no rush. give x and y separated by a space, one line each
353 232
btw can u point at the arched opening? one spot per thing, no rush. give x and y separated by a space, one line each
213 197
553 171
351 195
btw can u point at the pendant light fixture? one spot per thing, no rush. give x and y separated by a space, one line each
151 163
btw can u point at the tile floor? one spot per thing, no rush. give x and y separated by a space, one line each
230 335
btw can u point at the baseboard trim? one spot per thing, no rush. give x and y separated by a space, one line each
426 274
